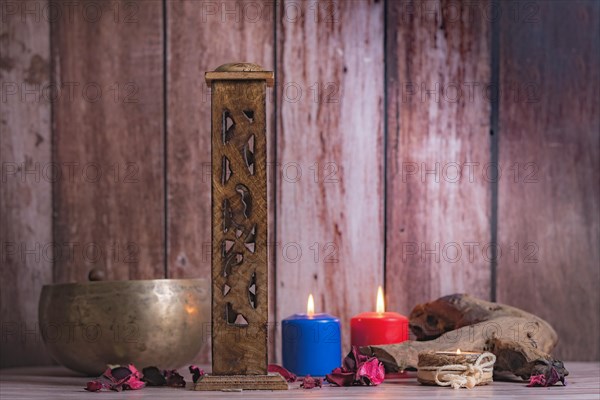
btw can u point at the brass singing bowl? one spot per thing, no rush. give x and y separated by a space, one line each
162 323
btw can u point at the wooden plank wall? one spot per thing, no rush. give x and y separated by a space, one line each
548 214
438 203
377 105
329 142
25 181
109 132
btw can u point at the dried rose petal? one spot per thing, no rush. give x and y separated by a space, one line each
196 372
287 375
357 369
102 382
360 358
340 377
94 386
115 377
537 380
353 360
134 384
349 363
309 382
120 378
120 374
154 377
108 375
552 377
174 379
134 371
370 372
135 379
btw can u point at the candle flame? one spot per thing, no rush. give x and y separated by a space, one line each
380 305
457 351
310 306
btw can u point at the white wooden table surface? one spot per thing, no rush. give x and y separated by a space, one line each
48 383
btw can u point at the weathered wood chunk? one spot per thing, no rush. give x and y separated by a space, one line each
521 341
431 320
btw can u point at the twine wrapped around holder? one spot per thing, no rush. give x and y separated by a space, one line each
457 370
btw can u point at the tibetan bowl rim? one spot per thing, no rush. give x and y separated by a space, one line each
138 282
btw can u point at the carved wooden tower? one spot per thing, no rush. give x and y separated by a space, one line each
239 230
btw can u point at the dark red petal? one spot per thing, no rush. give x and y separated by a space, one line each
553 377
108 375
537 380
360 358
174 379
134 384
309 382
134 371
154 377
110 381
94 386
349 363
196 372
287 375
118 388
353 360
370 372
340 378
120 373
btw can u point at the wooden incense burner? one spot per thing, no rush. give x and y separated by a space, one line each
239 230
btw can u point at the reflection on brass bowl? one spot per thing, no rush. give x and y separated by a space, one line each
148 323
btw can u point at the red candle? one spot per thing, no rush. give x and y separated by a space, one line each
375 328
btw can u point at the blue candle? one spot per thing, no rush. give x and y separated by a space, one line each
311 343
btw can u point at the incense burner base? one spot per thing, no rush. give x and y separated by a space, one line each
272 381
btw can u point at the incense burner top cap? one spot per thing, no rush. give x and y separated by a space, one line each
240 72
239 67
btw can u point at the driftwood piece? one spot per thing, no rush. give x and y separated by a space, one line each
523 340
431 320
523 360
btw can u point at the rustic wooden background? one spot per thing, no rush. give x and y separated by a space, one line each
105 152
